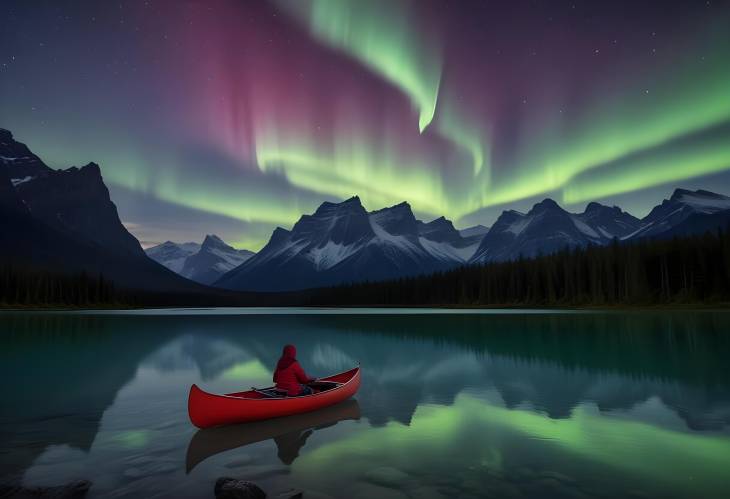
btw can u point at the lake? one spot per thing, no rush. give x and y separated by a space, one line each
464 404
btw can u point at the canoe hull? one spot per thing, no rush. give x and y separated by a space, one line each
209 409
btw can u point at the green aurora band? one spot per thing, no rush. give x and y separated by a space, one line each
350 167
689 97
380 35
703 155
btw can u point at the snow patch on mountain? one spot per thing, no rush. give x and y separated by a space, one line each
474 231
214 259
547 228
519 225
329 255
447 252
585 229
202 263
704 201
18 181
228 260
382 236
342 242
172 255
674 213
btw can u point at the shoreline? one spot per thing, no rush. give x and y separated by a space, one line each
719 306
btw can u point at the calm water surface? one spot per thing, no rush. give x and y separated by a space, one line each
508 404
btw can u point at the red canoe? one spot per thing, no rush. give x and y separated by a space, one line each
208 409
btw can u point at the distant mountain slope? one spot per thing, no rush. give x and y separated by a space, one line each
685 212
476 231
547 228
609 222
65 221
204 263
342 242
172 255
544 229
214 259
443 241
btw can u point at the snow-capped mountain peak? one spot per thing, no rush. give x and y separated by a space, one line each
202 263
214 259
609 221
547 228
701 200
341 242
172 255
440 230
546 204
441 239
397 220
212 240
396 227
342 223
678 214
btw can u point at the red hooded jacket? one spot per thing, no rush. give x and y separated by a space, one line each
289 375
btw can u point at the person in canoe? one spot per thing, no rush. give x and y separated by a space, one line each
289 375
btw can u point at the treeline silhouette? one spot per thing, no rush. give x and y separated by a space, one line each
694 269
23 286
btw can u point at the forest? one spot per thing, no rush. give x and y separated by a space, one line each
21 285
694 269
686 270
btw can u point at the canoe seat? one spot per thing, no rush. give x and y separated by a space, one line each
270 392
323 386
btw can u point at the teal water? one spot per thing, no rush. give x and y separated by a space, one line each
453 404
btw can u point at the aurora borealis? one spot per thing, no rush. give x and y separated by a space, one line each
234 116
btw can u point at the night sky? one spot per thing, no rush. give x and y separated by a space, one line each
235 116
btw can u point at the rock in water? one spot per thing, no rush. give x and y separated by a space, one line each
230 488
73 490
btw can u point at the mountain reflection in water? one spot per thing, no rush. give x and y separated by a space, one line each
604 399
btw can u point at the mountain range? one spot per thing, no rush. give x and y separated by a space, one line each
547 228
685 213
203 263
65 221
343 243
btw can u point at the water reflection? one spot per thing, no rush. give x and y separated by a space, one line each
588 402
290 433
